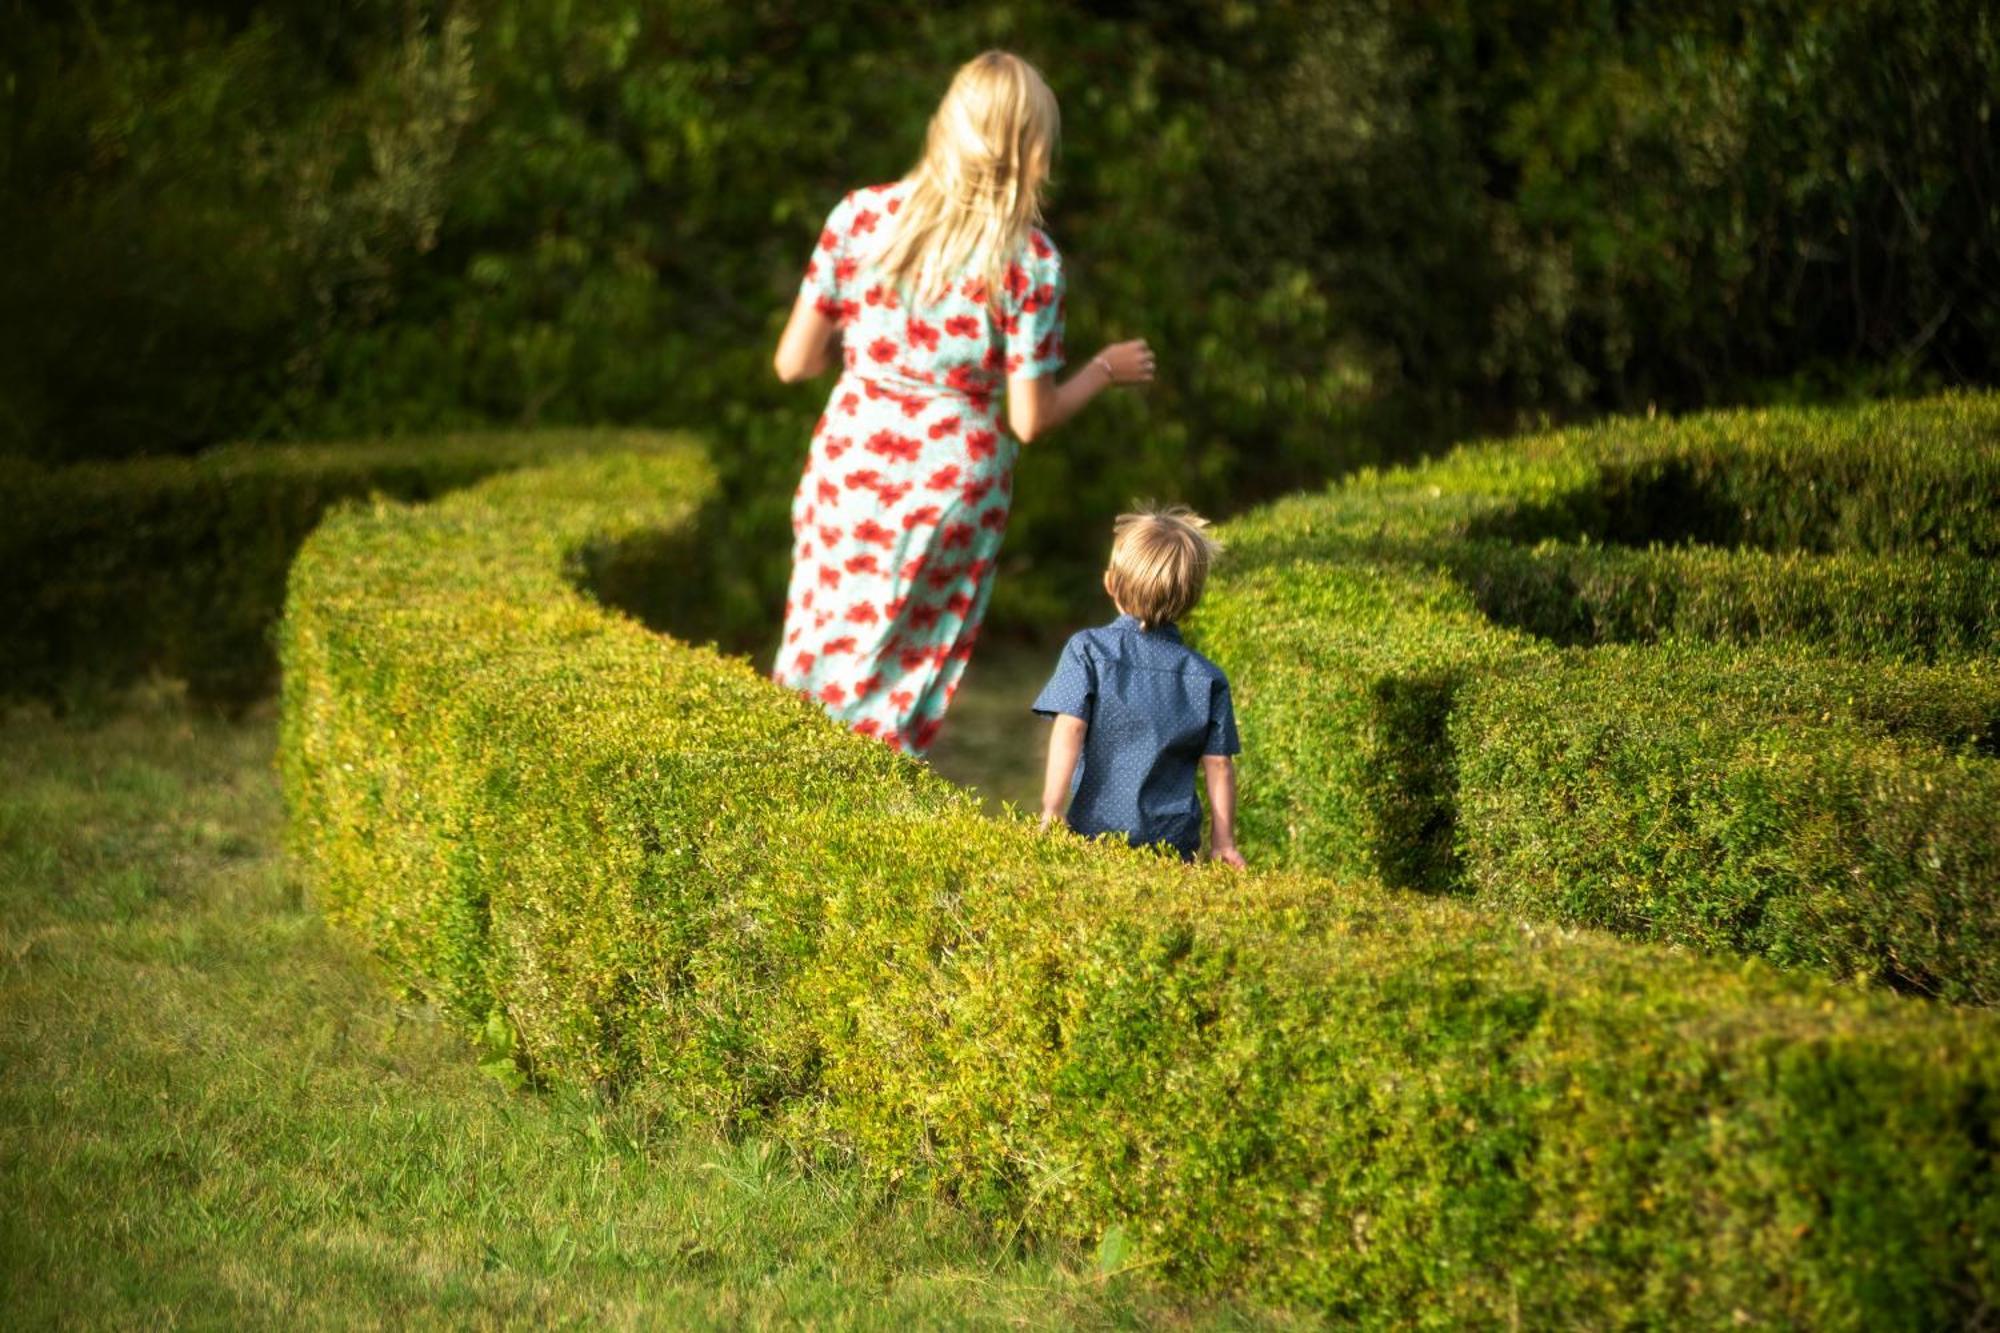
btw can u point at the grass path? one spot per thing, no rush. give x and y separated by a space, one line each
216 1113
991 740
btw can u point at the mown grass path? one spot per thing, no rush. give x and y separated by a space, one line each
216 1113
992 741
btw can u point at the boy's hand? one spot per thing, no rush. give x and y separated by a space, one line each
1219 773
1065 749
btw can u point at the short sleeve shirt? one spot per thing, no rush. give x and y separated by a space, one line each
1153 707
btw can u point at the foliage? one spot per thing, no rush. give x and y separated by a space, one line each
1821 797
1837 816
1938 605
1555 203
216 1113
178 565
1354 229
679 884
189 191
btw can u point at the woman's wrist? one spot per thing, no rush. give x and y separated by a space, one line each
1103 363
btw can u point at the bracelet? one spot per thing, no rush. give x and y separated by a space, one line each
1110 375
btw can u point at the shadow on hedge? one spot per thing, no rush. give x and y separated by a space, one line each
1724 682
669 879
686 582
1658 502
177 566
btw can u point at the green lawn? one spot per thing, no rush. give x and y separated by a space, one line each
215 1112
992 741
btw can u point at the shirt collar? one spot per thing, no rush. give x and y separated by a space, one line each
1166 631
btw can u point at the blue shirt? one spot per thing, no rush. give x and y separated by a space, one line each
1153 707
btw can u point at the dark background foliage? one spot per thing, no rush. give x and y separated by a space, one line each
1353 228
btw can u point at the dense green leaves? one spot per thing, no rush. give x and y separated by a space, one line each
177 565
1829 815
1725 682
673 880
1354 229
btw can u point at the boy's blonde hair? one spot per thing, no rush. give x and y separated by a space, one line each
978 189
1159 562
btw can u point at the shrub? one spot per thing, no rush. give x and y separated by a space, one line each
1356 625
1845 818
178 565
675 882
1355 230
1939 606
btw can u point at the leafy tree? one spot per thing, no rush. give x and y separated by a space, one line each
1354 228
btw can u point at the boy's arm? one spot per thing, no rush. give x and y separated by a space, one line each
1065 748
1219 772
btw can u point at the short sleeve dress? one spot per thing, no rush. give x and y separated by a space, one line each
898 520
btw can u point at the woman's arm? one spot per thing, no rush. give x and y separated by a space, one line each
807 347
1219 770
1037 405
1065 748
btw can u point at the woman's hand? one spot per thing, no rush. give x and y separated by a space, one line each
1036 406
1126 362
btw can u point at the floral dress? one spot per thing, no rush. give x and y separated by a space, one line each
897 522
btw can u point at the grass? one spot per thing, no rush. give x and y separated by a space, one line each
216 1112
991 741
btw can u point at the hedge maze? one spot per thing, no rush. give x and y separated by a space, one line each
671 881
177 565
1731 682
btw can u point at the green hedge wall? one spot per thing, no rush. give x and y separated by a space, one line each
1514 671
1843 816
673 882
178 565
1939 606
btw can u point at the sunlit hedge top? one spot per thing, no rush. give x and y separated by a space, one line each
1668 677
177 565
671 881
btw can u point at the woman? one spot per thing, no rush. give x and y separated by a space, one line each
936 288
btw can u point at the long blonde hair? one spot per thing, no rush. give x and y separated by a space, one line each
978 188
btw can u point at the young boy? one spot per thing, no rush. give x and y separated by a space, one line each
1139 707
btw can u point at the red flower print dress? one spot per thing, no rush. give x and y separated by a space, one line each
898 520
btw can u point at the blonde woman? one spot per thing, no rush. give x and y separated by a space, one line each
936 290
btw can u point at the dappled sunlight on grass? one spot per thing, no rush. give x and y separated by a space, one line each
214 1109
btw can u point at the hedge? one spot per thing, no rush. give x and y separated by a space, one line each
1940 606
1674 800
178 565
671 881
1554 580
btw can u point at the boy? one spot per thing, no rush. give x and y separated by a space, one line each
1139 707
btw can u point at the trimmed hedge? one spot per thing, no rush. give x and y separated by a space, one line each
1842 818
1837 545
672 881
178 565
1938 606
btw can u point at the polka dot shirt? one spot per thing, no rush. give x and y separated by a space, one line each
1153 707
